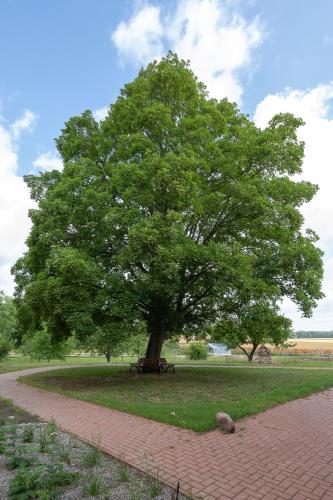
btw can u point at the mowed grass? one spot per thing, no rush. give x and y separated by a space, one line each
15 363
191 397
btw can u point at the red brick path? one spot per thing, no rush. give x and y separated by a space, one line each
283 453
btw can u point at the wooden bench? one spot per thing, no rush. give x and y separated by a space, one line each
137 365
144 365
166 365
152 365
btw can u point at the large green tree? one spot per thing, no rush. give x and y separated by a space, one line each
168 207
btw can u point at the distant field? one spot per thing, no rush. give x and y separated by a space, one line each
313 345
306 346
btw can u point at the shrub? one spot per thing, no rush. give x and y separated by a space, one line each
23 484
155 487
17 458
92 457
197 350
54 476
63 453
40 346
42 482
123 473
5 346
95 487
43 441
28 434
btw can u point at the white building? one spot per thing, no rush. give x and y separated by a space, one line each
218 350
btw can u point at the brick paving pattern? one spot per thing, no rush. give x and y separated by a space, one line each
284 453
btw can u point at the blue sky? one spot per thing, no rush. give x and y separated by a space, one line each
60 58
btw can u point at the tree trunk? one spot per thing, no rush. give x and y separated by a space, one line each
254 348
156 330
108 357
249 354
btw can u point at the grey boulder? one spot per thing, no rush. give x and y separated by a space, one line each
225 422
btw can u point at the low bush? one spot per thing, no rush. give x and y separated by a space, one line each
43 441
17 458
42 482
28 434
196 351
24 484
92 457
123 473
5 346
63 453
95 487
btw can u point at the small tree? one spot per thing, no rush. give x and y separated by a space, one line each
5 346
40 346
136 345
196 351
254 324
108 341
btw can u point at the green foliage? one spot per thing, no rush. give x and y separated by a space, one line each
253 323
43 441
197 350
8 316
5 346
155 487
136 345
17 457
28 484
54 476
8 324
314 334
41 346
28 434
92 457
95 486
63 453
123 472
108 341
168 208
24 485
52 427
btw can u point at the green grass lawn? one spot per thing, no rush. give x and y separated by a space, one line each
191 397
15 363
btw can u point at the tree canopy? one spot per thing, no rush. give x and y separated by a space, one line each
254 323
8 324
170 207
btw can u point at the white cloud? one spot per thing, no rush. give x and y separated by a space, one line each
101 113
25 122
48 161
140 38
212 34
314 107
14 201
